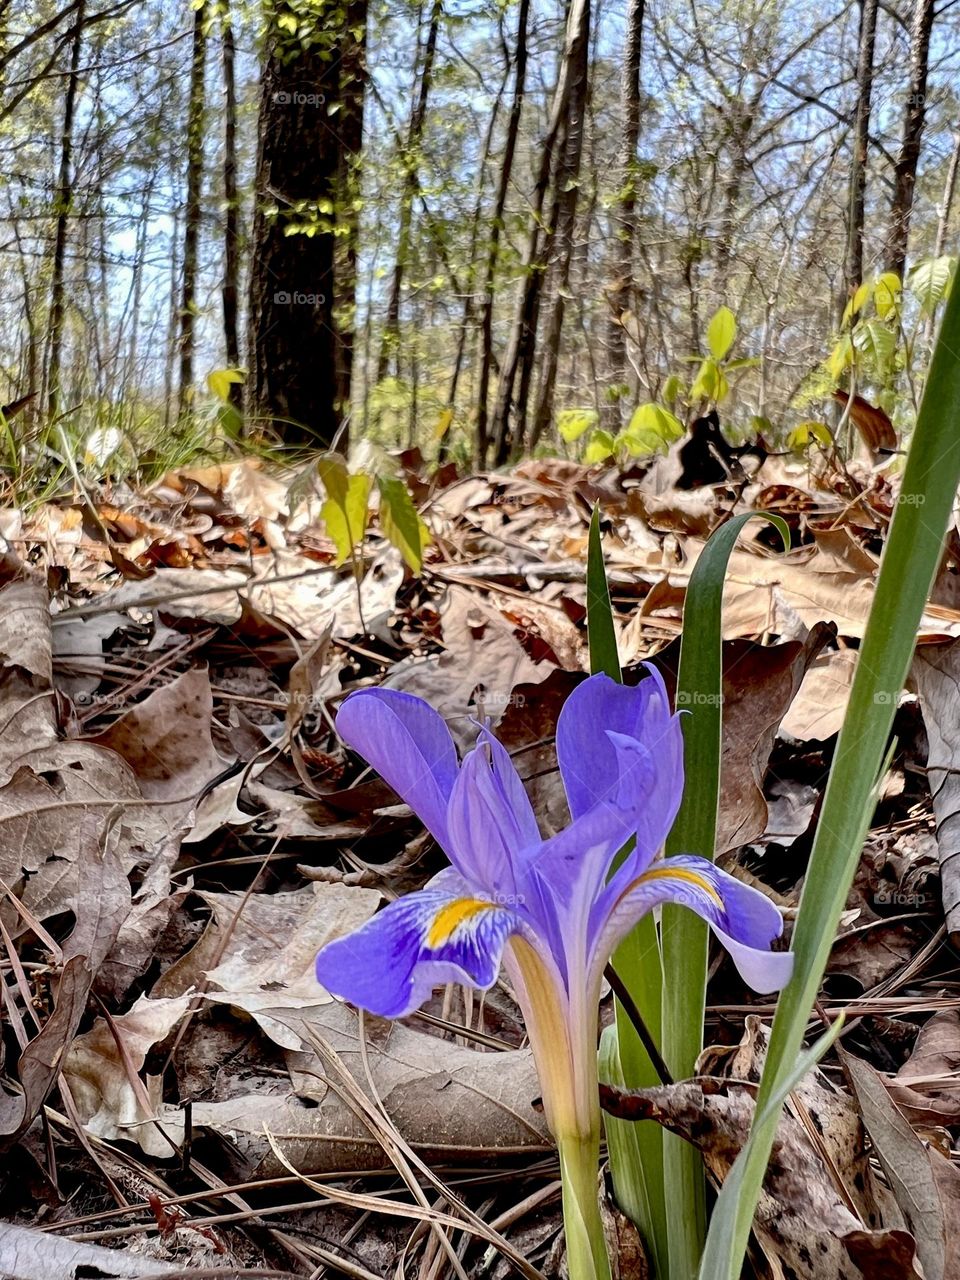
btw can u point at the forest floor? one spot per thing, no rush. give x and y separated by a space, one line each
183 830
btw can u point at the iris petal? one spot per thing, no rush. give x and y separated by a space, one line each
566 877
596 722
744 920
409 745
444 933
490 820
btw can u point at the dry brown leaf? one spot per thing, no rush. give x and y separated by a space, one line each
759 683
936 676
27 716
271 978
927 1086
98 1070
39 1063
145 919
26 1254
696 512
100 904
166 739
328 599
450 1103
777 593
243 487
926 1185
821 703
803 1223
211 594
289 815
871 952
218 809
481 653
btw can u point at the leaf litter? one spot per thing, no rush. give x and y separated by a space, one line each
182 829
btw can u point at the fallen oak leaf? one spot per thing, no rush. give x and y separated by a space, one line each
99 1067
804 1225
452 1104
277 985
26 1254
101 904
39 1063
166 739
925 1183
935 674
927 1087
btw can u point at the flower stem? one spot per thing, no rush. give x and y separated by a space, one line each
586 1246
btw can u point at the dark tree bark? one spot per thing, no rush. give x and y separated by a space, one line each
470 296
293 337
742 115
621 289
513 391
859 145
566 193
411 182
349 122
908 157
496 231
63 206
192 212
949 191
231 199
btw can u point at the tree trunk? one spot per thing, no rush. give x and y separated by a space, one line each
470 293
496 230
64 202
191 215
231 225
853 265
293 339
566 189
563 217
349 121
743 114
621 289
391 326
517 366
949 191
914 118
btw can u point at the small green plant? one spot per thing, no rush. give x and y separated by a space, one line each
883 331
655 425
346 509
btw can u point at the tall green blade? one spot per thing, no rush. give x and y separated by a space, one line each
601 631
907 570
723 1223
684 936
636 1150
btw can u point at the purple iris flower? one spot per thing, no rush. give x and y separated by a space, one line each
552 909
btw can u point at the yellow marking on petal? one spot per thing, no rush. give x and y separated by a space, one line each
688 877
449 918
